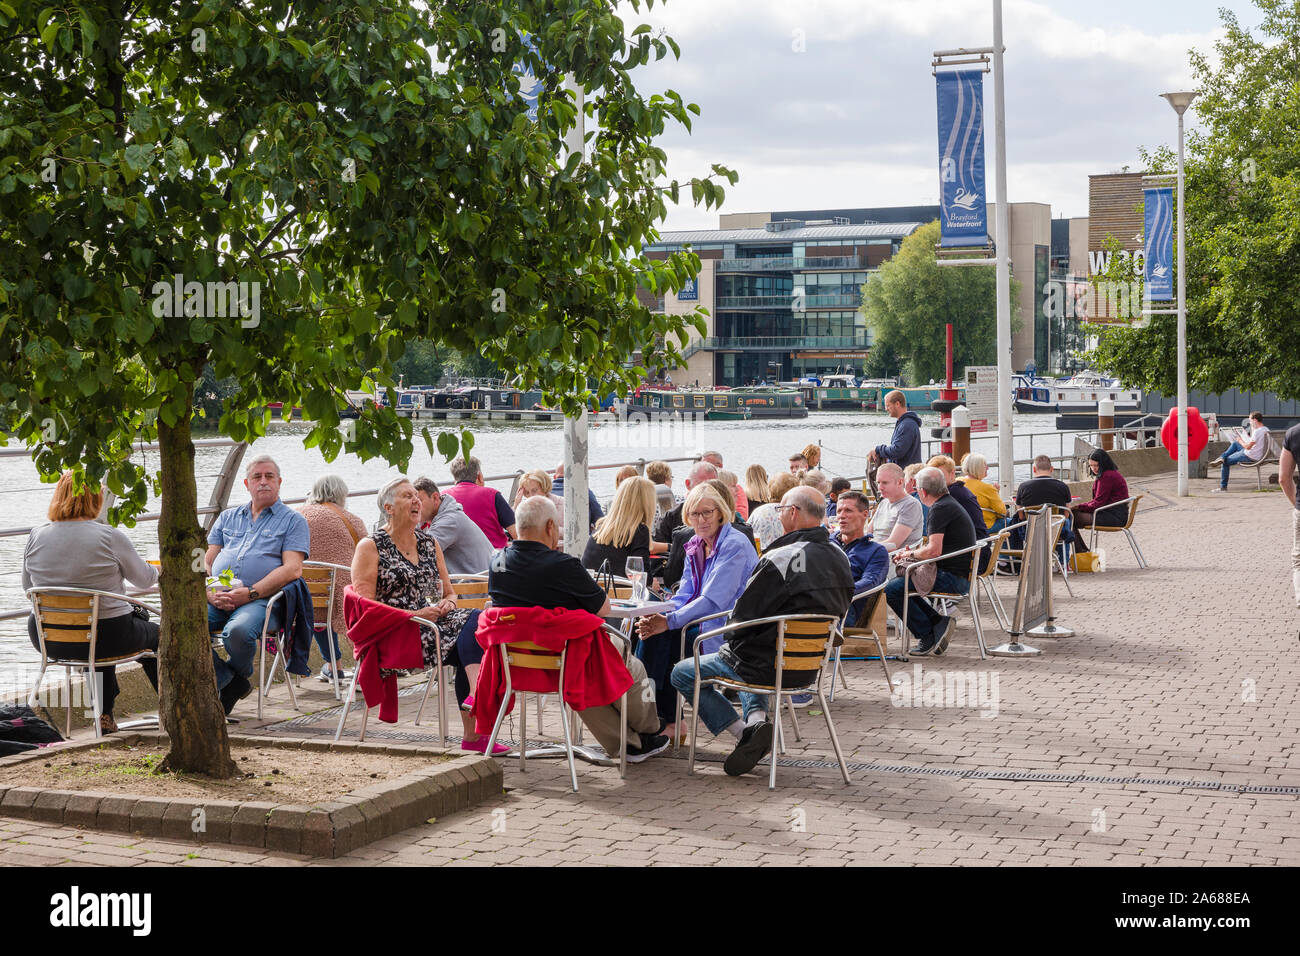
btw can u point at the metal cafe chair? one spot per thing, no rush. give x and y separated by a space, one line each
321 579
365 710
971 596
1126 528
525 654
471 593
868 633
71 616
804 643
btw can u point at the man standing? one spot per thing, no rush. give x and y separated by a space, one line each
801 573
465 547
531 572
485 506
951 529
263 543
1286 476
868 560
1247 451
899 520
904 446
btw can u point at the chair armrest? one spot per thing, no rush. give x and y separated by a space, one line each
763 620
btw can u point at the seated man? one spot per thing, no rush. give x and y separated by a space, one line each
485 506
1247 451
1044 488
899 520
465 547
951 529
264 543
531 573
868 560
801 573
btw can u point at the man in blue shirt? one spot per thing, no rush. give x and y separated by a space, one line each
263 543
868 560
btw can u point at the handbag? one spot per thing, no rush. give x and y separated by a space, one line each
921 580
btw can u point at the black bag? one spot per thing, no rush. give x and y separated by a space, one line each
21 730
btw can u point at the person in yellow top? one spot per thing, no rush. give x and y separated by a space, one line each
976 468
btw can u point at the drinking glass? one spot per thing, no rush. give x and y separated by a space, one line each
635 570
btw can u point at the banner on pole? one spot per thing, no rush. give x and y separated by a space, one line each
963 214
1159 231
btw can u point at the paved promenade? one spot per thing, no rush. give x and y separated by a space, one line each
1164 732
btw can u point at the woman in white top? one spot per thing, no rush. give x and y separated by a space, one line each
76 551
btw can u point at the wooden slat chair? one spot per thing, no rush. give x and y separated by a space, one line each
365 711
321 579
71 616
871 604
1126 528
804 643
971 596
471 594
987 576
526 654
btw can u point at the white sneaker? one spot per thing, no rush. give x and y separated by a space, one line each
1217 491
326 677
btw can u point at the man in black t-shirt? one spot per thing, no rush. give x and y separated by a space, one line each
1286 476
530 572
951 529
1042 489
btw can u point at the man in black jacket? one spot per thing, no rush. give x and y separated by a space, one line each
801 573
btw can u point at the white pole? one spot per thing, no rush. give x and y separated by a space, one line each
1182 327
1002 238
577 522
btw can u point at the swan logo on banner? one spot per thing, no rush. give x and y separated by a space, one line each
530 87
963 215
1158 215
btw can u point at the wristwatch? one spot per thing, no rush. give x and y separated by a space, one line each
252 594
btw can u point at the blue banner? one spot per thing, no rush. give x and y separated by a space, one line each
963 215
689 292
1159 231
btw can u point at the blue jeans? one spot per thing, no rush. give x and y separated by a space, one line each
240 630
1233 456
658 654
715 710
921 616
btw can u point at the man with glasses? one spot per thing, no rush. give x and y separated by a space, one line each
801 573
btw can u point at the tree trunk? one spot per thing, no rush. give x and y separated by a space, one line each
188 706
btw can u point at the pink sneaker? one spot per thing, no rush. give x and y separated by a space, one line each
480 747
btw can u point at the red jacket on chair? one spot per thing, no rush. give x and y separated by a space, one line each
594 672
381 636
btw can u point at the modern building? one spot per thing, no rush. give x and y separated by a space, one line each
784 289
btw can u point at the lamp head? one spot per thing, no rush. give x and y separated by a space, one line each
1179 101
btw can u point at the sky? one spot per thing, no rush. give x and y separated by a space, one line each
831 103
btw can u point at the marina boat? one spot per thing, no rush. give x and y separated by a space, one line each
837 391
1077 395
921 397
718 404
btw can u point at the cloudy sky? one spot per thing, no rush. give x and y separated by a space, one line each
822 103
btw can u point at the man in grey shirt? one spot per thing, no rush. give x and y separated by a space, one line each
465 547
898 521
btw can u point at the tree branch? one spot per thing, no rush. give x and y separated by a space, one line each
275 230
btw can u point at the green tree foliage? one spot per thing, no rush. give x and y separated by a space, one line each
1243 205
910 300
370 172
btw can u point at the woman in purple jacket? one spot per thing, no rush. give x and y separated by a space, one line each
1108 487
719 561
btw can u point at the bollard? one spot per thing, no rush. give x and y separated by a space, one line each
960 433
1106 419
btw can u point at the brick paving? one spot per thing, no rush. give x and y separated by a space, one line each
1183 672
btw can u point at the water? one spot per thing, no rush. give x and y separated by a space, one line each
845 437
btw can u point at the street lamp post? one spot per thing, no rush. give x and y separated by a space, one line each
1180 102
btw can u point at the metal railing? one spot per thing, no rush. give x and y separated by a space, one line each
791 263
780 342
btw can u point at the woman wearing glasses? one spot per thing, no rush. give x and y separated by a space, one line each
719 560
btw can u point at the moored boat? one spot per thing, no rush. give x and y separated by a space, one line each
1078 395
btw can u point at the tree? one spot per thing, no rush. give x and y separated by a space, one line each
287 195
1243 201
910 300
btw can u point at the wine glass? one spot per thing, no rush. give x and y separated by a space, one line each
635 570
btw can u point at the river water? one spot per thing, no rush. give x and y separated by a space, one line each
503 448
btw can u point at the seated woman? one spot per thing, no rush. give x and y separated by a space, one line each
992 506
403 569
538 482
719 560
76 551
1108 487
756 486
624 532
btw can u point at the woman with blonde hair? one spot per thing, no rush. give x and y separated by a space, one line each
813 455
719 560
623 474
538 482
76 551
756 485
778 486
624 532
992 506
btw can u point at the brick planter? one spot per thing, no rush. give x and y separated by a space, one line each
326 829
